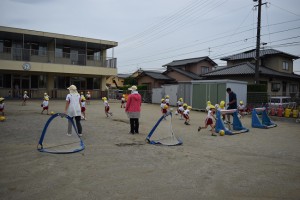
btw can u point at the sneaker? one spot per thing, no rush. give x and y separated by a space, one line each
199 129
80 134
213 134
69 134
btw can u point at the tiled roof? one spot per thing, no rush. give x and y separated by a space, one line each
186 73
156 75
247 69
123 75
252 54
175 63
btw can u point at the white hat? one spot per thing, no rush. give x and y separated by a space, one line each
134 88
1 98
72 89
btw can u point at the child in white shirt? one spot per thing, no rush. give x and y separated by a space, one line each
45 105
209 120
106 107
83 108
186 115
88 97
25 97
2 105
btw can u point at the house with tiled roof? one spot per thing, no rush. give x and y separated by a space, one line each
275 71
116 81
189 69
153 79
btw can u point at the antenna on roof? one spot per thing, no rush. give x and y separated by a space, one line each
209 51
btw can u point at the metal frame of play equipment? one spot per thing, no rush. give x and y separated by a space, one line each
171 140
265 122
237 126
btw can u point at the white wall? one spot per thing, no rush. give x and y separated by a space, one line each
240 90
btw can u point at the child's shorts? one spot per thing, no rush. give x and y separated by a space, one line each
209 121
82 109
186 116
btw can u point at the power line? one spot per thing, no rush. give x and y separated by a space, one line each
172 49
174 26
225 44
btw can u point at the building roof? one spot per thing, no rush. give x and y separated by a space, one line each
252 54
123 75
247 69
14 33
185 73
177 63
156 75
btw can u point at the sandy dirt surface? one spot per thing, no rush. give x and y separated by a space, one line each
260 164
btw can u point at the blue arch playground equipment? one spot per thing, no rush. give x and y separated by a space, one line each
60 136
162 132
264 122
237 126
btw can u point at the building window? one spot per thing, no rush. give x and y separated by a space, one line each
38 81
58 53
34 81
275 87
293 88
285 65
1 46
42 50
42 81
5 81
61 82
204 70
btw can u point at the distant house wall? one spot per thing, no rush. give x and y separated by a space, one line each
276 63
197 67
177 76
269 81
151 82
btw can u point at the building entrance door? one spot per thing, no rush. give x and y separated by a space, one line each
20 83
16 86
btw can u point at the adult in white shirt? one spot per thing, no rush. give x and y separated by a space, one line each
73 108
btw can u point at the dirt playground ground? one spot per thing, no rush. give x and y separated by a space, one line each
260 164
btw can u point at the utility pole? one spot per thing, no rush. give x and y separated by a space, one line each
257 57
256 80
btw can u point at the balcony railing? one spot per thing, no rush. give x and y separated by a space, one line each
43 56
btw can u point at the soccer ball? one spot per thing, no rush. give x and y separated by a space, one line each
2 118
51 113
222 132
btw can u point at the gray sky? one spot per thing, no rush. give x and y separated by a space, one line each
153 33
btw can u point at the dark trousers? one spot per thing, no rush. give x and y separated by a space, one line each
78 125
134 125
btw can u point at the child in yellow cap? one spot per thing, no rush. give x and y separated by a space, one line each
45 105
209 120
106 107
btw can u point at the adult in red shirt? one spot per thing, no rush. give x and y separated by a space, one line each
133 109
